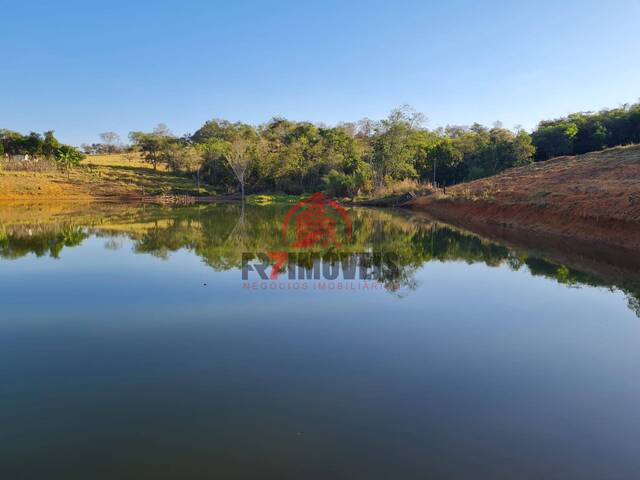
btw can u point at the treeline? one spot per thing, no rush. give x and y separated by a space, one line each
587 132
35 147
580 133
350 158
111 143
358 157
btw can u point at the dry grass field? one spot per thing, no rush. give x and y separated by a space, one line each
117 176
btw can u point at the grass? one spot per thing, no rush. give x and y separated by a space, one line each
401 188
277 198
127 176
392 193
486 194
99 176
118 160
601 185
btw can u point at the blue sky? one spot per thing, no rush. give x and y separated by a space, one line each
86 67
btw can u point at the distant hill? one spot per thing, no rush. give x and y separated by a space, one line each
595 197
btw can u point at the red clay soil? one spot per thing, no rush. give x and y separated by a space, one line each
593 197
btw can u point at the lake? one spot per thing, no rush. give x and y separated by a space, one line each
131 347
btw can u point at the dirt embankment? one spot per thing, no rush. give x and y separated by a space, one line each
593 197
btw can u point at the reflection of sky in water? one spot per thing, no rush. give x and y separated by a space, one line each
114 358
92 279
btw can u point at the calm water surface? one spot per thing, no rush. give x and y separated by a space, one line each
129 349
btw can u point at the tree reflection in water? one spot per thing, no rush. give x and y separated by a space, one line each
220 234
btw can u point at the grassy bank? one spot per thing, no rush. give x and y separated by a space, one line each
117 176
594 197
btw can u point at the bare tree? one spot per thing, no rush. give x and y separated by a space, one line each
408 114
162 130
240 159
111 140
365 127
351 128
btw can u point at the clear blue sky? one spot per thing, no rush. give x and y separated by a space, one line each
86 67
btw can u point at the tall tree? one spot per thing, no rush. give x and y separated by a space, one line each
111 141
392 157
152 144
240 158
50 145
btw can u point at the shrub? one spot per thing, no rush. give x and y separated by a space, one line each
338 184
68 157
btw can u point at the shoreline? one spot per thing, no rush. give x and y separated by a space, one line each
532 220
593 197
475 216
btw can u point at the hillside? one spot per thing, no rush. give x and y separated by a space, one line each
594 197
99 177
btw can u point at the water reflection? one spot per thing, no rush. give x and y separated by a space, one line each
127 340
220 234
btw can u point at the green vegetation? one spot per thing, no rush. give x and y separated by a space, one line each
35 148
358 158
348 160
269 199
587 132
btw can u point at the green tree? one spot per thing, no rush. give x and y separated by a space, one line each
552 140
11 141
151 145
392 157
215 168
50 145
68 157
32 144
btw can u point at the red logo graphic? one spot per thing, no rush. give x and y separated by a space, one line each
313 226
